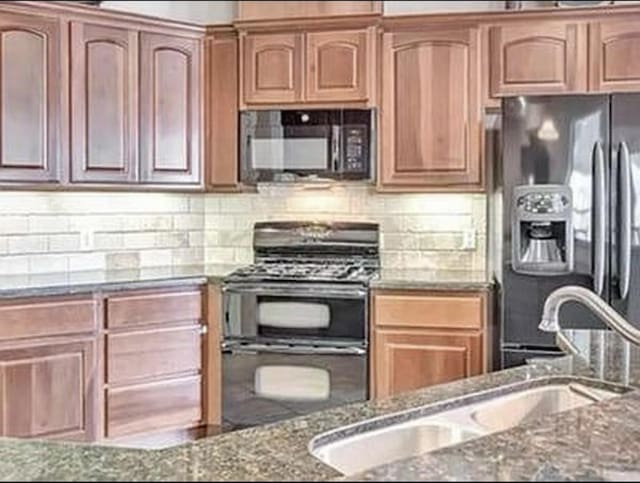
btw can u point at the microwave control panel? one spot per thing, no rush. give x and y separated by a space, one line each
356 148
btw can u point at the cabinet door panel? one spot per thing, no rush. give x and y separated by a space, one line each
338 66
104 104
30 98
431 110
615 56
412 359
49 391
272 65
544 58
170 80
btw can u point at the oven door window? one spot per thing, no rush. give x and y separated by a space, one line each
263 387
269 317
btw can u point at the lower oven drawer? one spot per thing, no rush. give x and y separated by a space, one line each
266 385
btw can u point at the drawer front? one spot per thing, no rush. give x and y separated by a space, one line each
154 308
46 318
153 353
151 407
432 311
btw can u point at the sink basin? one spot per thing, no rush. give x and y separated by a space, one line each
523 406
358 447
374 448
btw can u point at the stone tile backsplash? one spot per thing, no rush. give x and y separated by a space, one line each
53 232
439 231
57 232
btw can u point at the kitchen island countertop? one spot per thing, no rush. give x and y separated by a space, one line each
600 441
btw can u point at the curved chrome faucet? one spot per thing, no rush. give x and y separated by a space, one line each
589 299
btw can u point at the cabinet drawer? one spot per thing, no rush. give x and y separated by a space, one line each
132 356
154 308
47 318
151 407
433 311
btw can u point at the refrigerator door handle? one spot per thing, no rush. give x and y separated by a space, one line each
599 222
624 240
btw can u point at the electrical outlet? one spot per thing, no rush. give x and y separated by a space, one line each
469 239
87 241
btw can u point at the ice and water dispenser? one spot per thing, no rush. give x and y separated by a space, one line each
542 229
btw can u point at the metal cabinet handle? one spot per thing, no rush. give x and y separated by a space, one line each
624 241
599 222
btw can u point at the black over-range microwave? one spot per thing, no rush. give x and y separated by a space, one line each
304 145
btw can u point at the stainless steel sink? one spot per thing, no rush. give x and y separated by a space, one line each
521 407
356 448
355 454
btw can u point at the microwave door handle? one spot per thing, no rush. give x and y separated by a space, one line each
624 241
599 226
335 149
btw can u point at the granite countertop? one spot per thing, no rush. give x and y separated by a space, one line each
600 441
431 279
86 281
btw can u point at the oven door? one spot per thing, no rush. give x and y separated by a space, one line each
324 314
287 145
267 383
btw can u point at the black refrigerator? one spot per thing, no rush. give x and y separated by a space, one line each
569 188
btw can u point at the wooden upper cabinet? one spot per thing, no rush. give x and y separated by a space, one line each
614 55
269 10
221 108
338 65
31 86
49 390
170 109
431 113
272 67
104 127
411 359
538 58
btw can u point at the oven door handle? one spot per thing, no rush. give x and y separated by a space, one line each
298 290
294 349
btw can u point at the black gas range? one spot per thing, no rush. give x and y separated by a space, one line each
295 336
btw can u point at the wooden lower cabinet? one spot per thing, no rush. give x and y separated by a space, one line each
49 389
411 359
421 338
154 406
153 361
103 366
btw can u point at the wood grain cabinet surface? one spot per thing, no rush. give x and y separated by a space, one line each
538 58
425 338
338 65
104 104
170 109
614 55
31 87
49 377
153 361
324 68
431 111
272 67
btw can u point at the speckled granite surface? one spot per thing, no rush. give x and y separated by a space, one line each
78 282
596 442
431 280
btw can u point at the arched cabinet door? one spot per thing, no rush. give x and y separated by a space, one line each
339 64
104 127
431 115
615 55
538 58
272 68
170 109
30 98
